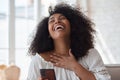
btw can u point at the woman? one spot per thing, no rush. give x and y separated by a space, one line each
64 42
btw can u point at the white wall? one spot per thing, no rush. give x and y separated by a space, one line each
106 15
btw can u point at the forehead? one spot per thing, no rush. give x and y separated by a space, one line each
56 15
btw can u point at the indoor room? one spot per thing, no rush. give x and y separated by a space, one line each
18 21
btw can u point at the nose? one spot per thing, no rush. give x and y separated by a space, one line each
57 21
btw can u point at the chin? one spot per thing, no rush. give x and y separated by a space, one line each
60 37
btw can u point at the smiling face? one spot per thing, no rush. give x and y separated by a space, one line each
59 26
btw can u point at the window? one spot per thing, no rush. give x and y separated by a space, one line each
4 32
17 29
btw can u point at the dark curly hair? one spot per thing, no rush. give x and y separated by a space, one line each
81 32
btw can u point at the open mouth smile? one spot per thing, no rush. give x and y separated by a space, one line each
58 27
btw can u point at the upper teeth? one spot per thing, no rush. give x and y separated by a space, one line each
59 26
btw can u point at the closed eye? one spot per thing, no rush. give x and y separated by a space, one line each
51 20
62 17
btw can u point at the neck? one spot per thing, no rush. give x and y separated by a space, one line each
62 47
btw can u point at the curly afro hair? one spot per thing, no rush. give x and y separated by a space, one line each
82 32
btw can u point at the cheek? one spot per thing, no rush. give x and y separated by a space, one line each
50 29
69 26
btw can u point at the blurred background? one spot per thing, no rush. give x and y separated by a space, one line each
18 20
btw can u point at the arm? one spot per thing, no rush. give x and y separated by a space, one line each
83 73
69 62
95 69
96 65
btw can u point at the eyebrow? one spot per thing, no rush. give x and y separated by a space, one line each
51 17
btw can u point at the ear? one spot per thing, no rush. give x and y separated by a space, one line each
70 53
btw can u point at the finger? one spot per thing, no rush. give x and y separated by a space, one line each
56 57
53 60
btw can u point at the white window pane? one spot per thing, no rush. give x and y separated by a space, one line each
23 30
24 23
23 61
21 33
3 24
3 32
3 56
3 6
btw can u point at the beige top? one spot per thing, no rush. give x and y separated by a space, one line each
91 62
